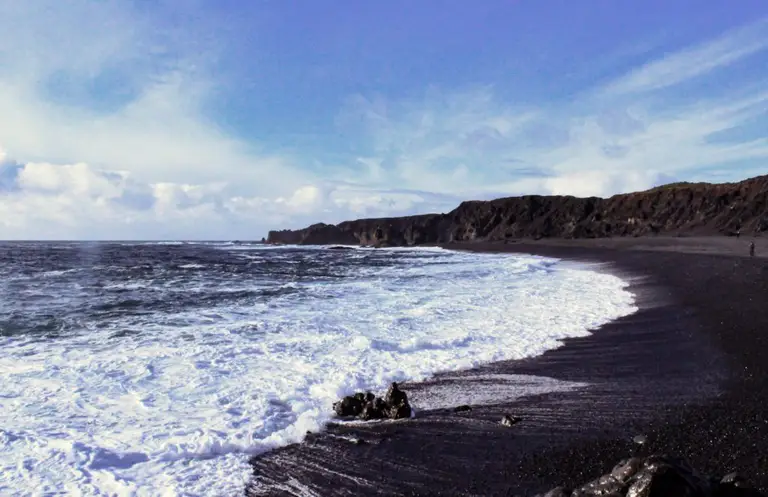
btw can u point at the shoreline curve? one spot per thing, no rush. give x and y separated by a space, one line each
646 361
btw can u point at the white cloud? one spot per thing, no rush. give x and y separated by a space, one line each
66 201
305 200
156 128
78 179
78 201
432 144
364 203
141 160
695 61
589 183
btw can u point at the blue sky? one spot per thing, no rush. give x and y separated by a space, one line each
142 119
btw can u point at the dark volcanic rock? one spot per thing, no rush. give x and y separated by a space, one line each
509 420
699 208
627 469
395 396
399 411
349 406
374 409
558 492
367 406
665 475
659 476
734 479
397 403
411 230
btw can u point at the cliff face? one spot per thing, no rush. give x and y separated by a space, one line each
394 231
702 209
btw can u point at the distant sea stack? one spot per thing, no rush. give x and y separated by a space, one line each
675 209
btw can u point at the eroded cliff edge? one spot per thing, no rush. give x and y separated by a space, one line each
680 208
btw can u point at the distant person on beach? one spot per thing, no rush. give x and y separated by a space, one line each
752 249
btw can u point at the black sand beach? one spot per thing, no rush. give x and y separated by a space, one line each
688 371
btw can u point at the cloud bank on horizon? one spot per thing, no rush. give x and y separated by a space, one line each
206 119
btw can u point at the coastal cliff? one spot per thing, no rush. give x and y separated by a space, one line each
675 209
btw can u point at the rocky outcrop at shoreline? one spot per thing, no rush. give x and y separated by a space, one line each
367 406
658 476
681 208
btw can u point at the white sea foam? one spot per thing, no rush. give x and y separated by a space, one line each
52 274
192 266
178 410
486 389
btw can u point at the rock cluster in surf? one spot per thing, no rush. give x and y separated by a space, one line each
658 476
367 406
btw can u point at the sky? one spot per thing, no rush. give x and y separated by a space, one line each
223 119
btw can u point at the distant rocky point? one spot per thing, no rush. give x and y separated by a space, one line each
676 209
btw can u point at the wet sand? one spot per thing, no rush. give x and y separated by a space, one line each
688 370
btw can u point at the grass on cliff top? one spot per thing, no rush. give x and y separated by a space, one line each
679 184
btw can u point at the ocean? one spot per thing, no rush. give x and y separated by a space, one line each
159 369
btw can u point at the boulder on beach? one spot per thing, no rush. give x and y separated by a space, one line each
374 409
350 405
508 420
658 476
367 406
